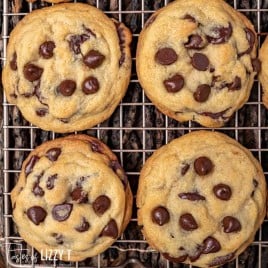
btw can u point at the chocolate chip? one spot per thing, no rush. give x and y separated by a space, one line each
184 169
121 36
110 230
251 39
101 204
187 222
32 72
216 115
202 93
96 146
255 183
29 166
93 59
79 195
83 227
53 154
195 41
46 49
191 196
76 41
51 181
36 214
175 259
37 190
211 245
222 191
160 215
220 34
174 83
236 85
189 17
41 112
166 56
200 62
256 65
196 255
203 166
67 87
90 85
13 63
62 212
222 260
231 224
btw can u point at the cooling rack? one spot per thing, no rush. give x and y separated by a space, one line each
134 131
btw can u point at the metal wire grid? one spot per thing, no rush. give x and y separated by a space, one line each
234 129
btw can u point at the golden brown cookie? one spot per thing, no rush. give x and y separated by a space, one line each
68 66
201 199
73 197
195 60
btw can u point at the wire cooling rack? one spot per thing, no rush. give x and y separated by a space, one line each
248 126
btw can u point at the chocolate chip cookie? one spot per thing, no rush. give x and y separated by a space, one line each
196 60
263 76
72 196
201 199
71 73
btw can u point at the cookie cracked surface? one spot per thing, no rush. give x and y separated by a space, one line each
201 199
197 61
68 66
72 195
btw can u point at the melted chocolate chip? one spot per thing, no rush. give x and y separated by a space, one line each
215 115
203 166
236 85
76 41
197 253
174 83
79 195
32 72
36 214
175 259
251 41
67 87
189 17
166 56
51 181
62 212
90 85
46 49
121 37
83 227
231 224
256 65
222 191
220 34
202 93
195 41
53 154
93 59
255 183
41 112
187 222
13 63
29 166
96 146
37 190
110 229
101 204
200 62
192 196
184 169
210 245
222 260
160 215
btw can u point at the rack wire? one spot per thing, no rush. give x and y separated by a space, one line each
162 130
